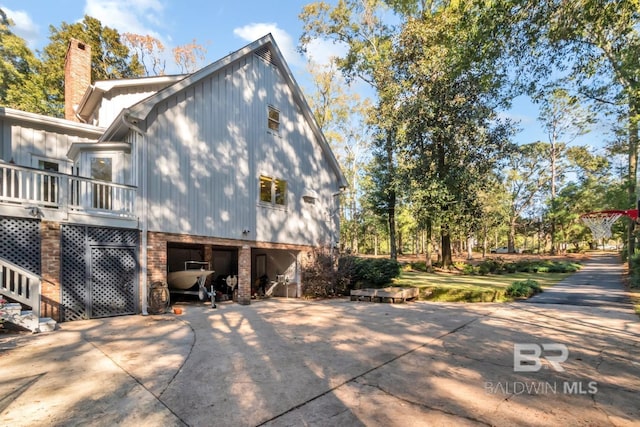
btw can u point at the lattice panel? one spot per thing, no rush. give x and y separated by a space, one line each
99 272
112 236
73 274
20 242
113 281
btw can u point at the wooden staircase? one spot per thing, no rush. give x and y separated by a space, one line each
13 312
23 287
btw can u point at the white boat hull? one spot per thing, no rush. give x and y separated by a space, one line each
185 279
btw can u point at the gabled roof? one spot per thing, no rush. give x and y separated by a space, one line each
129 117
95 92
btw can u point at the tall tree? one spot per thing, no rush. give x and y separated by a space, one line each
451 86
21 86
149 51
189 56
564 120
110 58
524 178
597 44
360 26
591 189
340 114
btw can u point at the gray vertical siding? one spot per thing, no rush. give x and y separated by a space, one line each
209 144
22 142
113 102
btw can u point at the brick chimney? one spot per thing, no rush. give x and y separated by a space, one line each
77 76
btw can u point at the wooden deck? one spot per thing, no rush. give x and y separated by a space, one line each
388 295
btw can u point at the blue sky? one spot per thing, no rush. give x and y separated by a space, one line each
222 26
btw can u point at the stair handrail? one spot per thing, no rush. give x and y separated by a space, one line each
20 285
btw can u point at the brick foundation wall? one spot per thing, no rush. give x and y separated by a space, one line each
50 268
244 275
156 257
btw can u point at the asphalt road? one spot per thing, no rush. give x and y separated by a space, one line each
597 284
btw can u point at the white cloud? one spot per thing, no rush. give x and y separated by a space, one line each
254 31
128 16
321 51
24 26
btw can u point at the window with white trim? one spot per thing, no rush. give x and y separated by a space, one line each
49 184
273 191
273 120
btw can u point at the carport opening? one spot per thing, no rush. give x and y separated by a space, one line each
222 260
274 273
225 263
178 254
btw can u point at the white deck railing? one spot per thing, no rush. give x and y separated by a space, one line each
20 285
35 187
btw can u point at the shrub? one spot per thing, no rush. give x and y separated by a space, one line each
418 265
539 266
564 267
511 267
468 269
464 267
523 289
634 271
445 294
368 272
318 276
491 265
324 277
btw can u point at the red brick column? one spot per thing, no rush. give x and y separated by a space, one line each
50 268
244 275
156 257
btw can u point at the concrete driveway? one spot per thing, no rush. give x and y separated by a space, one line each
289 362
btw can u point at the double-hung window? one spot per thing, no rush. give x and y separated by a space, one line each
273 191
273 120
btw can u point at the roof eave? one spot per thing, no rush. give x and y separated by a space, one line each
50 121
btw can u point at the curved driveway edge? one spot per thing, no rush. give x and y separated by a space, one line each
290 362
95 372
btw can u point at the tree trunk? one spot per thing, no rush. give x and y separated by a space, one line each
470 247
391 201
484 241
539 235
354 236
633 169
447 259
428 247
553 195
511 242
375 243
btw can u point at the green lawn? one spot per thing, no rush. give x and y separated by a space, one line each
470 288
